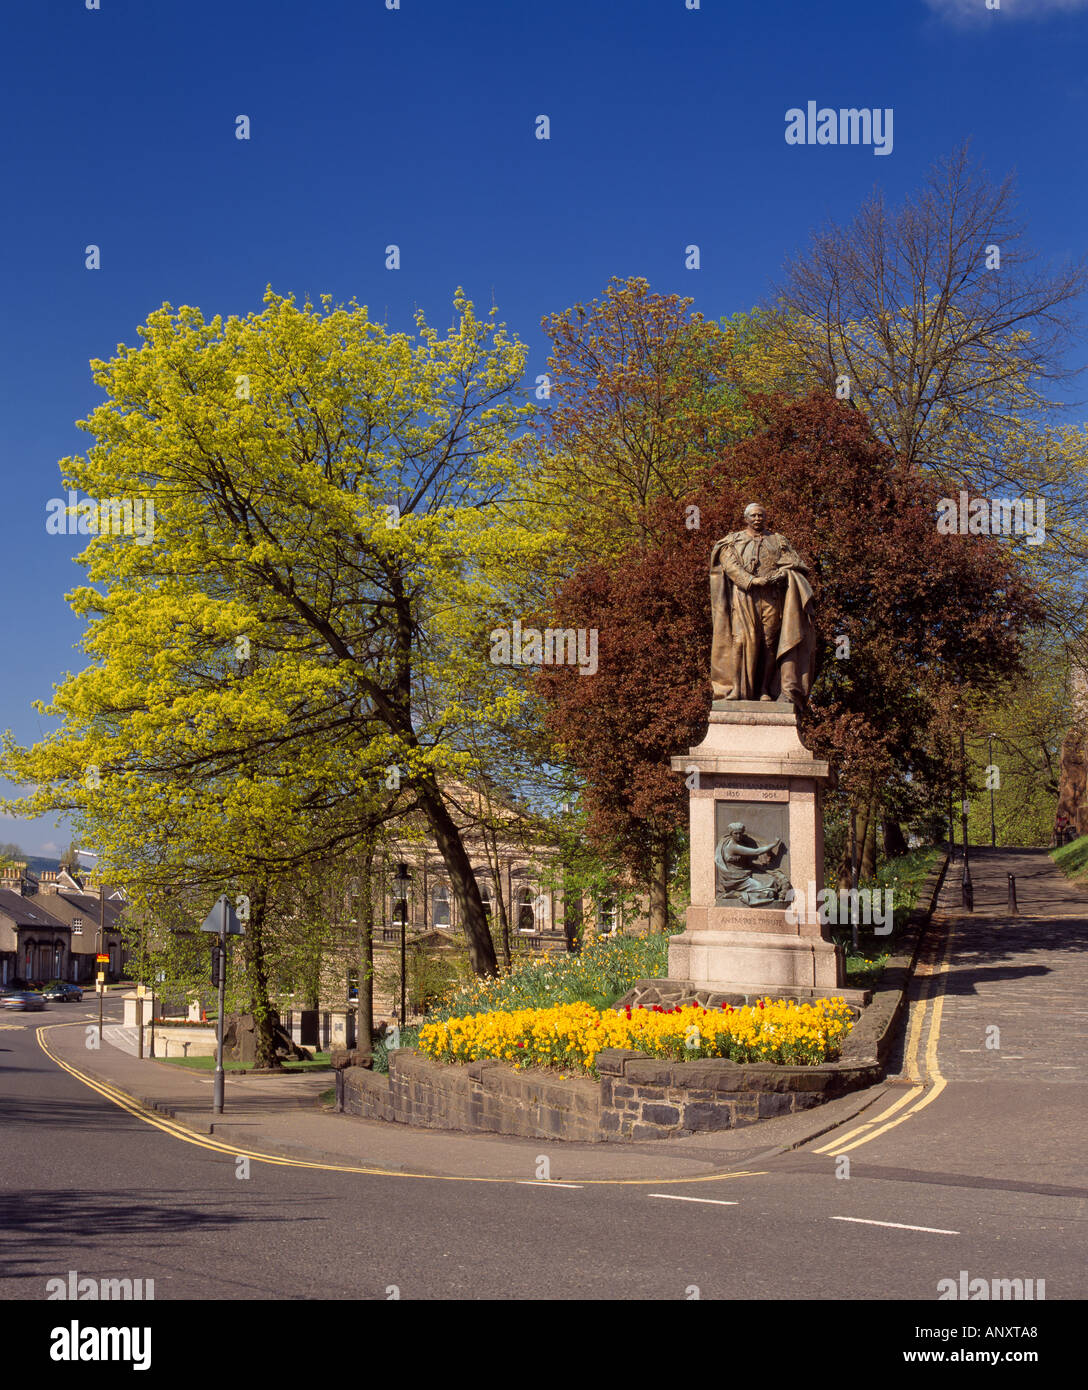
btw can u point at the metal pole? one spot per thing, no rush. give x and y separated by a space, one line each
217 1100
853 876
1012 893
143 987
990 779
101 951
403 979
967 891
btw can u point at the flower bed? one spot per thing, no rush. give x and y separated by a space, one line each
569 1036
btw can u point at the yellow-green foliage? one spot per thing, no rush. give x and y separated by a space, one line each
310 472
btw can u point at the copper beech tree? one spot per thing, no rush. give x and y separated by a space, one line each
903 613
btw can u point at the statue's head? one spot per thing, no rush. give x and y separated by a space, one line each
737 828
755 516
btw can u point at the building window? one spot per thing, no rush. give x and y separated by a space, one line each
485 897
606 916
441 906
77 926
526 915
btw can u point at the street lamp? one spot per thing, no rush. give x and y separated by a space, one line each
401 884
967 891
990 779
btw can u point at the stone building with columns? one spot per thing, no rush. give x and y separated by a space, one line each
520 878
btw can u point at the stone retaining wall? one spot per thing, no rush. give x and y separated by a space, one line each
647 1098
636 1098
487 1097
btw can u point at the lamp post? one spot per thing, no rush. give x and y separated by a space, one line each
853 877
990 779
401 884
967 891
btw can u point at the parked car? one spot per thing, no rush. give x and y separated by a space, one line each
22 999
62 992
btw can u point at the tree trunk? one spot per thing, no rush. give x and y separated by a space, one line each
364 1031
895 842
504 916
867 872
260 1006
862 813
466 892
572 915
659 891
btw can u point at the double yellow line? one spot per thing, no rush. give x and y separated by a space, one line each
187 1136
925 1088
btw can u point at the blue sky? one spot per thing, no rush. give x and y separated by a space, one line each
415 126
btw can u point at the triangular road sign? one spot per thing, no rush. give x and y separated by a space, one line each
215 918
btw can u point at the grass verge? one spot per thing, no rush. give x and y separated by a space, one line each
320 1062
1072 859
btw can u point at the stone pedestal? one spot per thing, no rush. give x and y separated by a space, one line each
341 1027
752 767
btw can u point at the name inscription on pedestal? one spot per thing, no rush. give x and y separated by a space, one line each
751 793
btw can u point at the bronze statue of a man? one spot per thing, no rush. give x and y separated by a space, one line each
761 604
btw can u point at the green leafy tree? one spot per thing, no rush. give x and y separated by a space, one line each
327 531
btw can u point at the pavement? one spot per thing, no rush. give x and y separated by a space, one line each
1014 998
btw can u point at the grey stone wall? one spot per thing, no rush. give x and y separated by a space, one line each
636 1098
481 1097
647 1098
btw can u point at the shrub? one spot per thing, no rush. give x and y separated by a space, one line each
598 975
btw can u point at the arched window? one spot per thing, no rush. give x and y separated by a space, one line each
485 894
441 906
526 915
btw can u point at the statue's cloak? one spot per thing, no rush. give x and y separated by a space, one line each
736 649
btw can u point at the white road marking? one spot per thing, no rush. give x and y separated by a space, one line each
897 1225
706 1201
540 1182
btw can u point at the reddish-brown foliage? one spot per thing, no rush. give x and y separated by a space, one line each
921 610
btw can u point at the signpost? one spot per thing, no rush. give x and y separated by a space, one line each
223 920
100 986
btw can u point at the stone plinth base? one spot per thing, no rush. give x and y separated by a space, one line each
755 961
753 769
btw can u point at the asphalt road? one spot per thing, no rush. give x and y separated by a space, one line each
86 1187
